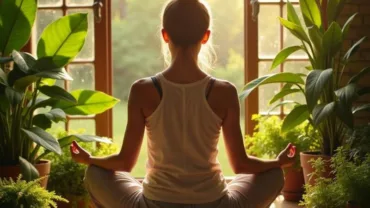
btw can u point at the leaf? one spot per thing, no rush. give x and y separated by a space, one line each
24 61
63 39
43 138
15 75
332 40
363 91
311 13
334 9
283 55
57 93
284 77
82 138
292 14
282 94
88 103
22 83
58 73
28 171
47 82
16 20
297 116
56 115
42 121
3 78
321 112
365 107
359 75
316 37
347 25
353 50
13 96
285 102
346 96
315 84
4 60
295 29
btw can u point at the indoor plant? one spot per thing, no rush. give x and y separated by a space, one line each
19 194
329 100
27 85
267 141
66 176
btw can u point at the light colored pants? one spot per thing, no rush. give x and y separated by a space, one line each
111 189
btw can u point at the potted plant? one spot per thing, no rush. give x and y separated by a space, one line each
350 187
66 176
19 194
267 141
329 100
27 84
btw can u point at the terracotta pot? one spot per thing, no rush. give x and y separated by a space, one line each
75 202
308 169
13 171
352 204
293 187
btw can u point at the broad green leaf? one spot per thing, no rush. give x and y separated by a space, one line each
282 94
24 61
58 73
365 107
57 93
16 21
15 75
42 121
309 68
292 14
283 55
353 50
3 78
295 29
316 37
346 96
334 8
82 138
297 116
28 171
284 77
315 84
13 96
363 91
4 60
43 138
332 40
285 102
88 103
311 13
45 63
63 39
359 75
47 82
347 25
22 83
321 112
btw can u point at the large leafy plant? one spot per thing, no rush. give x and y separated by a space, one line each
329 101
29 99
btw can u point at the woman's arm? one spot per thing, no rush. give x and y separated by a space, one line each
240 161
126 159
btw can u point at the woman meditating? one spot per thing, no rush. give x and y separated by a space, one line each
183 110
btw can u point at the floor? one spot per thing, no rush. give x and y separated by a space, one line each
280 203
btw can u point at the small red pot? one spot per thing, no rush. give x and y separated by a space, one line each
294 184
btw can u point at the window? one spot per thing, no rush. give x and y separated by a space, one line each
264 39
93 61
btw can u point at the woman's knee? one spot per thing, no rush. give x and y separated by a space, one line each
93 174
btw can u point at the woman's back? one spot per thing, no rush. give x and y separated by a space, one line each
183 132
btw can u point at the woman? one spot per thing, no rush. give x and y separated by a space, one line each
183 110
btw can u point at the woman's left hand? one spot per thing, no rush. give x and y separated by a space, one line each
79 154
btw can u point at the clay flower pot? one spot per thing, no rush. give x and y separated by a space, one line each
293 187
308 169
13 171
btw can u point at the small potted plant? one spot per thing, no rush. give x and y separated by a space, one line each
20 193
66 176
329 98
27 84
267 141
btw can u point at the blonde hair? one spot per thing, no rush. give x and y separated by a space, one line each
186 22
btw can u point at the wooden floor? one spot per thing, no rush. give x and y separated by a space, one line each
280 203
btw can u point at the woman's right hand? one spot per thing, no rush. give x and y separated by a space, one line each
287 157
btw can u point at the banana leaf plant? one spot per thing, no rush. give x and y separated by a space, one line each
330 103
30 102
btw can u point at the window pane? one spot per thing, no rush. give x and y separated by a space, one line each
80 2
265 93
295 67
44 18
88 51
83 76
86 126
50 3
268 31
291 40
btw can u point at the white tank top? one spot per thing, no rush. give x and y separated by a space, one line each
183 134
